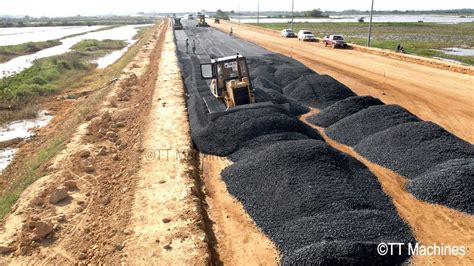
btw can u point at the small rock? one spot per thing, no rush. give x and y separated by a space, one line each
166 220
115 157
120 124
41 229
119 246
61 218
167 246
82 256
70 184
102 151
125 190
37 201
127 232
105 200
58 195
106 117
112 136
162 181
5 250
89 168
85 154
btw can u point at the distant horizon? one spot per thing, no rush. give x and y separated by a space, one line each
60 8
242 11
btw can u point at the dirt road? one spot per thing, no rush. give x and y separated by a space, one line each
441 96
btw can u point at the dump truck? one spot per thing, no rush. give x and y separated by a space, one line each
230 83
177 24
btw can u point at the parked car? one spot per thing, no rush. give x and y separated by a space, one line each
335 41
306 35
288 33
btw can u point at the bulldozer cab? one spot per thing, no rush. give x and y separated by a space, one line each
230 80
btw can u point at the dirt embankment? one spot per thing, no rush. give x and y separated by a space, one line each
166 225
438 95
80 211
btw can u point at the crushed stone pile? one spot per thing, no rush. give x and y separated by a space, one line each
224 134
450 183
286 74
265 83
412 148
341 109
295 108
354 128
319 91
283 184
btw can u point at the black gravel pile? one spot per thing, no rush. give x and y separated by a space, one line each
287 74
265 83
315 90
354 128
412 148
303 192
224 134
450 183
341 109
295 108
255 145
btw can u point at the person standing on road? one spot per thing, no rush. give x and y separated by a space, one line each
187 45
231 31
194 46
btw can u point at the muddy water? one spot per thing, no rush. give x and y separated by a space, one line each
459 51
22 129
12 36
126 33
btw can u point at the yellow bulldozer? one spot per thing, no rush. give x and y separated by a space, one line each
202 21
230 83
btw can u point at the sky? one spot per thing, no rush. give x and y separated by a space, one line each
97 7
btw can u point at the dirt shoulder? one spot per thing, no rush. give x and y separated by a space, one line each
166 225
80 211
438 95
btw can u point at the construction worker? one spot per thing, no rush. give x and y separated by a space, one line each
231 31
194 46
187 45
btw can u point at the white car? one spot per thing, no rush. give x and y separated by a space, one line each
306 35
288 33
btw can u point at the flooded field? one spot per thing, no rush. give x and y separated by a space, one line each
120 33
459 51
354 18
12 36
22 129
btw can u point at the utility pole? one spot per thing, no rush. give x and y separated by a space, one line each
370 24
258 12
292 10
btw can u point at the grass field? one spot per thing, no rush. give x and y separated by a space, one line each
11 51
422 39
50 75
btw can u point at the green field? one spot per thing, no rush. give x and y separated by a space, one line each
50 75
11 51
417 38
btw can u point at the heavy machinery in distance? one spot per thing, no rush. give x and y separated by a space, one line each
230 86
202 21
177 24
